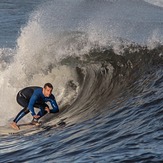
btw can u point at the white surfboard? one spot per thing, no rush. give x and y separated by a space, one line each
28 128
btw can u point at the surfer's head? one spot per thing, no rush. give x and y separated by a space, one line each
47 89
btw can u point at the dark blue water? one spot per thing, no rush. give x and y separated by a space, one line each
104 59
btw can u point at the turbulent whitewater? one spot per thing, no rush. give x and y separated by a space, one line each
104 59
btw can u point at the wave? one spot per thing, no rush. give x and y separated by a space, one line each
90 57
104 75
86 84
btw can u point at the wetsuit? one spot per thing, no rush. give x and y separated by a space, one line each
31 97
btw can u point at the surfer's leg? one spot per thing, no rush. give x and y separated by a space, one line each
21 114
42 111
23 101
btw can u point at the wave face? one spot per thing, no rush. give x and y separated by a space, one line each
104 59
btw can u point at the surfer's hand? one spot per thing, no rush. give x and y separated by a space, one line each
47 109
36 116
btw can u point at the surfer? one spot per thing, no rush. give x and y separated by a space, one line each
35 97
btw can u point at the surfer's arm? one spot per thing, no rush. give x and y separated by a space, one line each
54 105
31 104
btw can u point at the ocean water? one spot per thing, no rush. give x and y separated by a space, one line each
104 59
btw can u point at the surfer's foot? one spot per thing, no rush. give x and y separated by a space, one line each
14 126
35 122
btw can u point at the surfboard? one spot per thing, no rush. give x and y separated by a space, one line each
28 128
8 130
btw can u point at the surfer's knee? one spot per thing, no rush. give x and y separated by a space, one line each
56 110
26 110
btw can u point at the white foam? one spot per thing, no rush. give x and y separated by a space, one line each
155 2
155 39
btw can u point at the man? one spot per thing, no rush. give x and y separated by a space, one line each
31 97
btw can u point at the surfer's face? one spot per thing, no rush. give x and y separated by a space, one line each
47 91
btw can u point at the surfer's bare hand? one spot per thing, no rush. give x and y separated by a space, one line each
36 116
47 109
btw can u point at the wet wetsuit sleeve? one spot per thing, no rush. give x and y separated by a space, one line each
54 105
31 104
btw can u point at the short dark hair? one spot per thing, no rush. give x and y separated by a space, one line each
48 85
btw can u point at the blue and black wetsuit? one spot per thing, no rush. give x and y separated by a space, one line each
33 97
